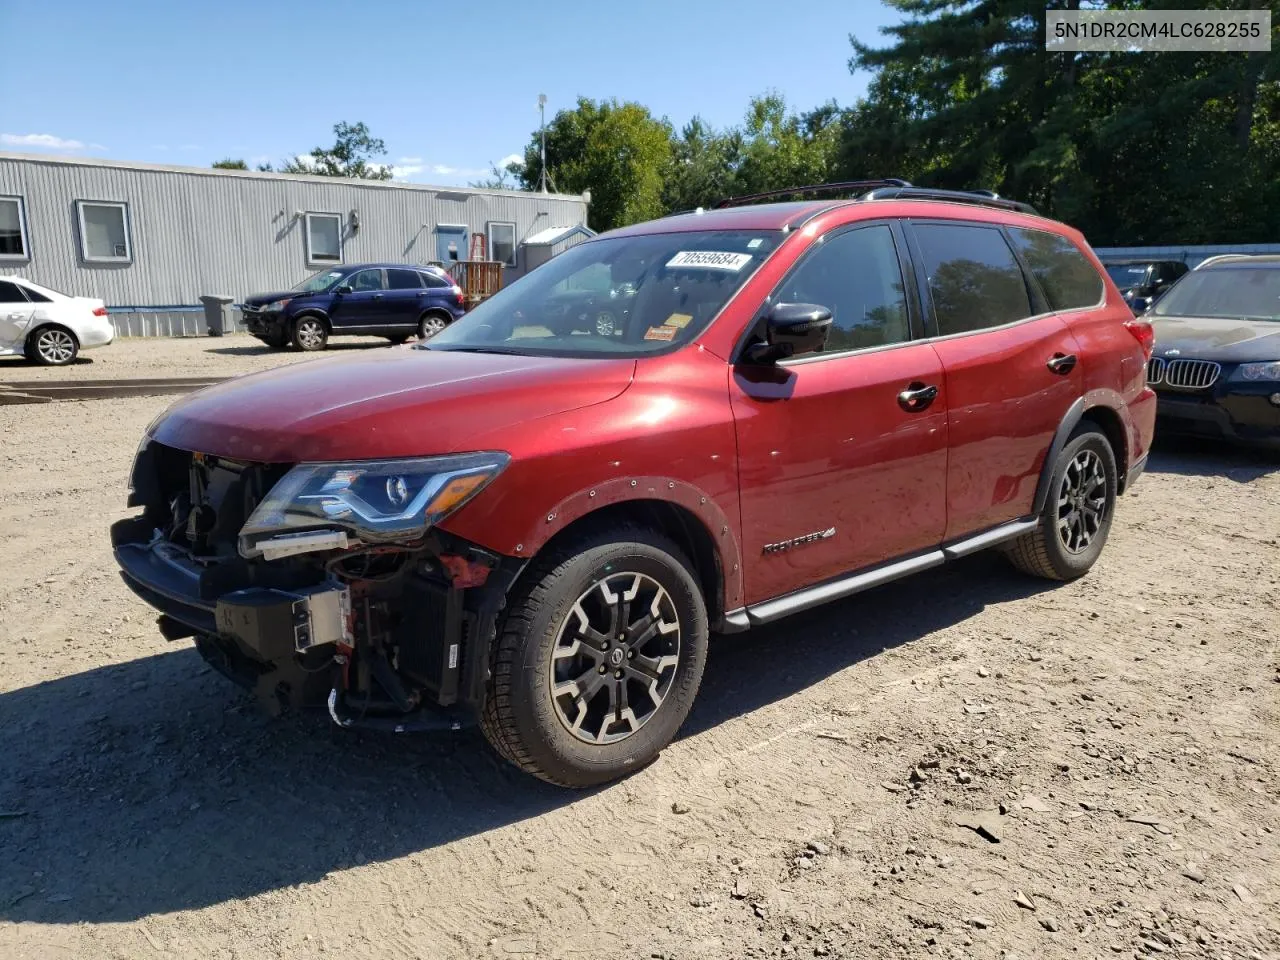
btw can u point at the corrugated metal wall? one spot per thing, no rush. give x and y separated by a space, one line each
198 231
1190 255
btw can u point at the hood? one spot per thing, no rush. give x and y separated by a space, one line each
262 299
1222 339
399 402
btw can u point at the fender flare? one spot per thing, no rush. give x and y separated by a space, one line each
1070 420
702 506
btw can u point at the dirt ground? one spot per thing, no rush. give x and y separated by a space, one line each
838 791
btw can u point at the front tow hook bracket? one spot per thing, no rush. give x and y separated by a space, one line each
423 721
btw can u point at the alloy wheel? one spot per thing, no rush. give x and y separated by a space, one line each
1082 501
310 334
615 657
605 324
55 346
430 326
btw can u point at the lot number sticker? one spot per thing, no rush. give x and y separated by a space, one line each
710 260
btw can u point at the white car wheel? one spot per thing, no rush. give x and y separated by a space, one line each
53 347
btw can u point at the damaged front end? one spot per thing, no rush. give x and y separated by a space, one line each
322 583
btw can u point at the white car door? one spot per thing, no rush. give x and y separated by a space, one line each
15 316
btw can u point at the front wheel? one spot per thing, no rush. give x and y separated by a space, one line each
1076 518
598 659
310 333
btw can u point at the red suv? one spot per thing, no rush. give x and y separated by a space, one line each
689 426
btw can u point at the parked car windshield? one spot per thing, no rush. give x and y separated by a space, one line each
1239 290
320 282
618 296
1127 274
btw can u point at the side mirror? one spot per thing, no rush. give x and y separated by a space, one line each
344 289
791 329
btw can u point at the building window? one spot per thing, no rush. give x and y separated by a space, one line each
104 232
13 230
324 238
502 243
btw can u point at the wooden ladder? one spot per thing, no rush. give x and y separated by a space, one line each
477 247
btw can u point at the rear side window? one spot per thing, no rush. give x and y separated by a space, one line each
404 280
856 276
11 293
973 277
434 282
1067 278
35 296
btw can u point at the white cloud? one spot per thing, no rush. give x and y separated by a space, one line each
403 170
409 160
510 158
42 141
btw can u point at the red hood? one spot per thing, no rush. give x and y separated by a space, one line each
388 403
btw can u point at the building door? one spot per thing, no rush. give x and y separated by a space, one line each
451 243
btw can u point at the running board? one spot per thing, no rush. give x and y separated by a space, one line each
735 621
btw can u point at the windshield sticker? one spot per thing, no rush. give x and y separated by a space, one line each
680 320
660 333
710 260
752 244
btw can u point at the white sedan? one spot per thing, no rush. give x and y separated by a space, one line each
49 327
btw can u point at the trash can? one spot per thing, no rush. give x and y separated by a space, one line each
217 313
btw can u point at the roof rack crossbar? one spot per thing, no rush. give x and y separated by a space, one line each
981 198
847 186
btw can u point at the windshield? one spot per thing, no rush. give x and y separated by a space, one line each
625 296
320 282
1125 275
1251 292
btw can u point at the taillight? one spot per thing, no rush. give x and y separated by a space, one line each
99 311
1144 333
457 294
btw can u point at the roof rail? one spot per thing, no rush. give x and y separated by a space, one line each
982 198
847 186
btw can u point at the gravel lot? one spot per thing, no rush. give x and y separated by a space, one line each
838 790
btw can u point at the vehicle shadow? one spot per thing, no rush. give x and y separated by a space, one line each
20 362
151 786
1211 458
261 349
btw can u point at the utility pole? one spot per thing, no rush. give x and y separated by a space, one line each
542 125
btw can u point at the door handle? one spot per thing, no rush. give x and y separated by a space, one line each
377 296
917 396
15 316
1061 362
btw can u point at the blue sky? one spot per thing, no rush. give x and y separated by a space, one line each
449 87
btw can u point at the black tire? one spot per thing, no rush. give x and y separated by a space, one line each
521 718
431 323
276 340
398 339
310 333
52 346
1056 553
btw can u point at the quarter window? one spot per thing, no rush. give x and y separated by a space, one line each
104 232
405 280
502 243
11 293
973 277
324 238
13 230
856 276
435 282
1068 280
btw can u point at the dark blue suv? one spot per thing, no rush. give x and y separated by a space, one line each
392 300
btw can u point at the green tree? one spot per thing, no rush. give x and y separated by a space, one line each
353 154
229 163
703 166
783 149
618 151
499 178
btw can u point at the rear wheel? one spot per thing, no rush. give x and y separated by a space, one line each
430 324
310 333
598 659
52 347
1076 519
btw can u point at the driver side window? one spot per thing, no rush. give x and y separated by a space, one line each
857 277
366 280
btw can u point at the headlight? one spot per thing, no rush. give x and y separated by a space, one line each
367 500
1260 371
275 306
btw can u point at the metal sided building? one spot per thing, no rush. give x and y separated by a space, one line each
151 239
